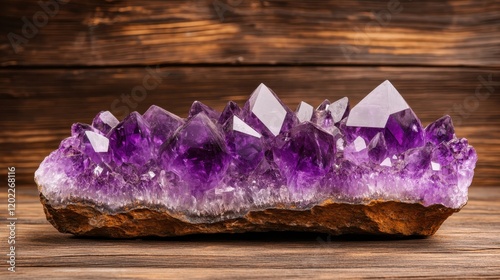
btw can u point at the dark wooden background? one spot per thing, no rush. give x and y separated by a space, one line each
89 56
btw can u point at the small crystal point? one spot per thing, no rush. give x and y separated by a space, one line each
231 109
385 110
197 153
304 112
328 115
130 140
339 109
162 123
267 114
79 129
199 107
324 105
441 130
105 121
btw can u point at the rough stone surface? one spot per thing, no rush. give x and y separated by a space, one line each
370 169
377 218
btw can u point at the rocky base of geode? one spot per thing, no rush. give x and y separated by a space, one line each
377 217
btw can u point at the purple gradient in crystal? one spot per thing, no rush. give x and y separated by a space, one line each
265 112
199 107
377 149
418 160
244 145
440 131
130 141
307 152
104 122
442 154
79 129
197 153
356 151
162 123
385 110
231 109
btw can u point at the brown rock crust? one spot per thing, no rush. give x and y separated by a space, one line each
376 218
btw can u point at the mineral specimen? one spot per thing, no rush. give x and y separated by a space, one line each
372 169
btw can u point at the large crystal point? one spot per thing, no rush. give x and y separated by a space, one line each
162 123
384 110
267 114
197 153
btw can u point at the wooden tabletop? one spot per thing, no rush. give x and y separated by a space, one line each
466 245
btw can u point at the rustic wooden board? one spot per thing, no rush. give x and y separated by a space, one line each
39 106
95 32
467 245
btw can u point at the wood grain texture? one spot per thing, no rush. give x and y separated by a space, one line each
466 246
124 32
39 106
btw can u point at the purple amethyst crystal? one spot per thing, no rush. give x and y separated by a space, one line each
197 153
244 144
304 112
104 121
384 110
262 155
231 109
267 114
305 155
439 131
199 107
130 141
163 124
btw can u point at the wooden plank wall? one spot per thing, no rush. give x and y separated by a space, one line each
62 62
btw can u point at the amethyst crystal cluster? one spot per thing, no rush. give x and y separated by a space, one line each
224 164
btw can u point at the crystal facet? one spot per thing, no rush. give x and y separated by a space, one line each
162 123
441 130
197 153
304 112
244 144
130 140
199 107
267 113
221 167
385 110
105 121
